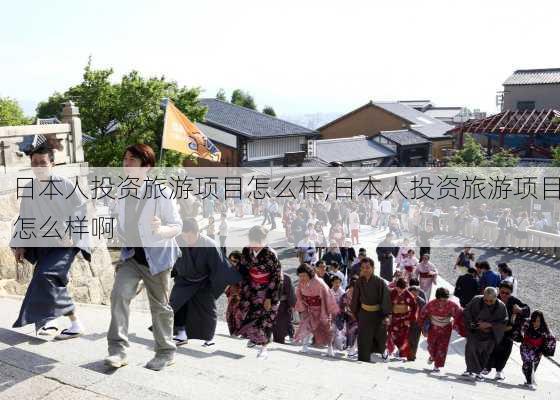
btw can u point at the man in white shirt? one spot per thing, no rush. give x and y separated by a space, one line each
386 209
307 251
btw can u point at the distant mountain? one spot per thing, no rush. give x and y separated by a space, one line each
312 121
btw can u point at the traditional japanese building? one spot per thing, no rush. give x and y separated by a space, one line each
249 138
375 117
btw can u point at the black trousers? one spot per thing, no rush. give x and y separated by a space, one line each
500 355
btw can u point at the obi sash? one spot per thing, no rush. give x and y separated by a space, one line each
371 308
409 268
440 321
426 275
312 301
400 309
533 342
260 278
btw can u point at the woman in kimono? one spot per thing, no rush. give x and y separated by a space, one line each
233 316
261 289
438 314
350 319
283 324
317 306
288 217
403 252
427 274
339 320
336 234
404 314
415 330
408 265
536 336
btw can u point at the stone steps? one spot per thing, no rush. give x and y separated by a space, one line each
230 370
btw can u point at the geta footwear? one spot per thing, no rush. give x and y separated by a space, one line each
68 334
47 331
180 342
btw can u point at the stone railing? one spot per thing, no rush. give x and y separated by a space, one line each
68 134
537 242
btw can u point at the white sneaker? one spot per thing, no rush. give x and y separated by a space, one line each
479 377
262 354
385 356
436 370
499 376
116 361
467 374
304 349
330 352
529 386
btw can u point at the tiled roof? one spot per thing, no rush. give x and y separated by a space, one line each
417 103
249 123
350 149
534 77
443 112
404 137
420 122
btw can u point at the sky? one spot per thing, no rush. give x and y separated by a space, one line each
300 57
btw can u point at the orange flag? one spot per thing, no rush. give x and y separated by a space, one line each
181 135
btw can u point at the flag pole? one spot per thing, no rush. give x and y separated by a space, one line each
163 105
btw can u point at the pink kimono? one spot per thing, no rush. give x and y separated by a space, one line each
408 267
317 306
427 273
403 253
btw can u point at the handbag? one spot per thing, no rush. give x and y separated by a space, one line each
549 346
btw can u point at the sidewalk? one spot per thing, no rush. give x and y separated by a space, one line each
32 368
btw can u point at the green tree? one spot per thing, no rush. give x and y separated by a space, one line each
471 155
11 113
503 158
269 111
221 95
126 112
52 107
556 156
243 99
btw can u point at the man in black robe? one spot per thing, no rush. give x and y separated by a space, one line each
485 320
518 312
50 250
386 251
201 276
371 306
467 287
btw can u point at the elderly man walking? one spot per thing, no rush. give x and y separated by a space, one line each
485 318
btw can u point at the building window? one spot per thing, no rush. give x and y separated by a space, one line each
525 105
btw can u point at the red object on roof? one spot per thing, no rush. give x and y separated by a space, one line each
535 122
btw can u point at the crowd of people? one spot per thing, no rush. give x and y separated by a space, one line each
343 301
